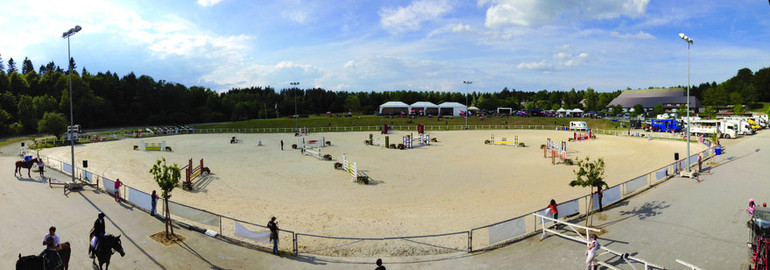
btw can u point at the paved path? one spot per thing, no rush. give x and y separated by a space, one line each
701 223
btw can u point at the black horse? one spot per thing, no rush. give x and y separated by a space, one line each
24 164
105 247
34 262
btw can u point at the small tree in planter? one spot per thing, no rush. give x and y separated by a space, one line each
589 174
167 178
327 157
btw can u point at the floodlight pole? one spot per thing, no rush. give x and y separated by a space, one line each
296 117
67 35
467 83
687 136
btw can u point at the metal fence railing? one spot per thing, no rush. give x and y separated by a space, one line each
474 239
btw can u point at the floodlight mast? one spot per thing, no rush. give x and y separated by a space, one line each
687 134
67 35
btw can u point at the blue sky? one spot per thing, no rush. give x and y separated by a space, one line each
365 45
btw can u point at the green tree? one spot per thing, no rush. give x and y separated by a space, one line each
589 174
44 104
710 112
739 110
26 66
11 66
52 123
167 178
592 100
352 104
638 110
617 109
16 128
27 114
5 121
658 109
682 111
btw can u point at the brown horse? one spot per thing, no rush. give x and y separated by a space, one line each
25 164
33 262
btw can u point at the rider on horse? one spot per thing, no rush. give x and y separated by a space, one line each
51 254
97 232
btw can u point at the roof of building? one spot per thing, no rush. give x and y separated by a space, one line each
392 104
650 98
424 104
451 105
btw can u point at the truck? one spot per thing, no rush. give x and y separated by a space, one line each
751 121
665 125
743 127
723 128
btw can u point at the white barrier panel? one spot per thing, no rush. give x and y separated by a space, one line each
507 230
109 185
693 160
193 214
88 176
661 174
140 199
242 231
67 168
705 154
566 209
635 184
609 196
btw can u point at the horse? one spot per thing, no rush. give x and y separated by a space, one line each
24 164
34 262
104 249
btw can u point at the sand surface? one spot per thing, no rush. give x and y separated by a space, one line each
453 185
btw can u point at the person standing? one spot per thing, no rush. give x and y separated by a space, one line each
281 145
153 202
52 234
273 226
554 210
117 189
41 166
600 195
593 246
379 265
97 232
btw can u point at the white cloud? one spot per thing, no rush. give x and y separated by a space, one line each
502 13
541 65
208 3
461 28
409 18
639 35
576 61
350 64
297 16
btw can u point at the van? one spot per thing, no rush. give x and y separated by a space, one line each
578 125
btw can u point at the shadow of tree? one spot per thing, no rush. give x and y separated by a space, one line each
648 209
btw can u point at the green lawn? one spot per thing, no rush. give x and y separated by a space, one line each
765 106
370 120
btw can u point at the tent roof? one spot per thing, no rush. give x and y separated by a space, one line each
561 110
424 104
472 108
394 104
577 110
451 105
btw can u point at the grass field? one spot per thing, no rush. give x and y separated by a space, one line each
765 106
370 120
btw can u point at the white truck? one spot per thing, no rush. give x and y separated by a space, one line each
744 128
708 127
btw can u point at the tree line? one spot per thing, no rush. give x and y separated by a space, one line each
106 99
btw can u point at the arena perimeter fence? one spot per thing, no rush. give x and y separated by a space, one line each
476 239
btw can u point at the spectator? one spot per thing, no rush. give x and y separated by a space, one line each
153 202
40 165
117 189
593 246
379 265
554 210
273 226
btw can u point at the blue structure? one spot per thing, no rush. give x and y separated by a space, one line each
665 125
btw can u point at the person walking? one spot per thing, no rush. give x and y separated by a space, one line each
273 226
593 246
153 202
281 145
117 189
41 166
379 265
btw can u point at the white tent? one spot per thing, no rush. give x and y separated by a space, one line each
451 108
394 107
426 108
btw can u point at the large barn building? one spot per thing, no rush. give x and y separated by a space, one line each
670 98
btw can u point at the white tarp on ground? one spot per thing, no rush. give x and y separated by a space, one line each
67 168
506 230
193 214
661 174
609 196
109 185
140 199
635 184
242 231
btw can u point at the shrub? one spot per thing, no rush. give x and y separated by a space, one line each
363 179
294 146
433 140
487 142
328 157
328 143
187 185
542 146
522 145
393 146
569 162
338 165
401 146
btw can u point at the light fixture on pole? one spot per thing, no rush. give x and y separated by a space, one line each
296 117
687 134
467 83
67 35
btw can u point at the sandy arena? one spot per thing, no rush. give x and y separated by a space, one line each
453 185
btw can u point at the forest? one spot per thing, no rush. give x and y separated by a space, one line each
37 101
